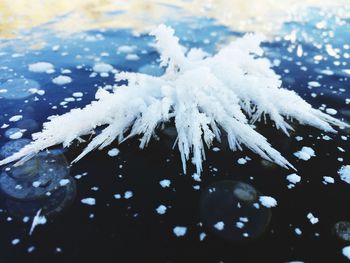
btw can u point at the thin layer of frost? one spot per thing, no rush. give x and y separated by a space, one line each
205 95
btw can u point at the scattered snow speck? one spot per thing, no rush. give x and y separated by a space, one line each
62 80
331 111
293 178
64 182
113 152
268 201
77 94
40 67
117 196
15 241
132 57
298 231
242 161
219 225
128 194
102 68
36 184
88 201
16 135
161 209
15 118
344 173
196 177
314 84
180 231
165 183
239 224
305 153
126 49
328 180
346 252
313 220
37 220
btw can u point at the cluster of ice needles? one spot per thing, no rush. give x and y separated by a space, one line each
203 95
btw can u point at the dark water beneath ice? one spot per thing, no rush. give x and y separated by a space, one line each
130 229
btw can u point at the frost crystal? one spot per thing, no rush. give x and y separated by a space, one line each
204 95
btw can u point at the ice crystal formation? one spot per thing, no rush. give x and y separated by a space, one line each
204 95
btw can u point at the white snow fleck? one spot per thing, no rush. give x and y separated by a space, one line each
239 224
30 249
117 196
196 177
15 241
77 94
180 231
299 51
88 201
202 236
268 201
331 111
305 153
36 184
346 252
241 161
16 135
344 173
219 225
205 95
293 178
37 220
128 194
132 57
16 118
314 84
113 152
165 183
298 231
328 180
313 220
102 68
62 80
64 182
40 67
126 49
161 209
